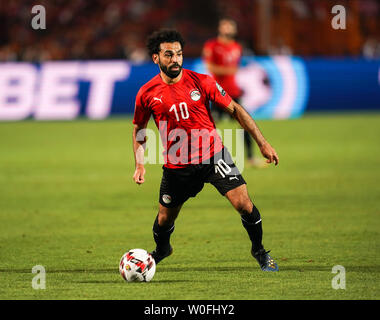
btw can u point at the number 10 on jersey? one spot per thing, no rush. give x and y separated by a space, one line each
184 112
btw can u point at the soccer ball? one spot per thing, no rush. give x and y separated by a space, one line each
137 265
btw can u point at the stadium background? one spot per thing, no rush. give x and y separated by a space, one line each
298 56
67 200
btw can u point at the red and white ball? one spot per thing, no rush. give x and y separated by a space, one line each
137 265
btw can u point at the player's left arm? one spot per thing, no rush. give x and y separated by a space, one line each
248 124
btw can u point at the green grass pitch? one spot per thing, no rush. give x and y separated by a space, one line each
68 203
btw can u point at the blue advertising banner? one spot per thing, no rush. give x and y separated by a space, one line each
343 84
273 87
277 87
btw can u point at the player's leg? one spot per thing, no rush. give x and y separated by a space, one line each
251 220
167 216
226 178
163 227
229 182
249 214
177 185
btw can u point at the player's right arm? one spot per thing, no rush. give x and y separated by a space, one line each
139 140
140 122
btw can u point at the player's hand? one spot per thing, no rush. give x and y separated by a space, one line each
138 177
269 153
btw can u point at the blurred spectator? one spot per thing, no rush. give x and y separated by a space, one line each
371 49
117 29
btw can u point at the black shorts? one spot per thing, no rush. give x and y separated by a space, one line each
178 185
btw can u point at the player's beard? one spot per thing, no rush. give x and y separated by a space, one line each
169 70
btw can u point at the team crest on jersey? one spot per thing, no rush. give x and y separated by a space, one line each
221 90
195 95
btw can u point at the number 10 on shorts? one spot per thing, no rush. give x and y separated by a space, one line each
223 168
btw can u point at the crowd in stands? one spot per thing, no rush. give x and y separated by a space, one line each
117 29
309 30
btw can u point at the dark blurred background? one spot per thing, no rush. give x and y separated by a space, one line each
117 29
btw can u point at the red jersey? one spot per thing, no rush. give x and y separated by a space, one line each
227 55
182 114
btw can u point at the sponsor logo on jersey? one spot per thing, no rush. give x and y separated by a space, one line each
157 99
195 95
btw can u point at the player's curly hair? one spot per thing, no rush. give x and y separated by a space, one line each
160 36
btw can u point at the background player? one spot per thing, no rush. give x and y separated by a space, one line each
222 58
179 101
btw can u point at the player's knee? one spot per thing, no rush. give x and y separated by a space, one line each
244 207
240 199
243 204
164 219
167 216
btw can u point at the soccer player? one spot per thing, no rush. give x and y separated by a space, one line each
178 99
222 58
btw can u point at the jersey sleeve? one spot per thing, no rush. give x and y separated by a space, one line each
142 111
215 92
